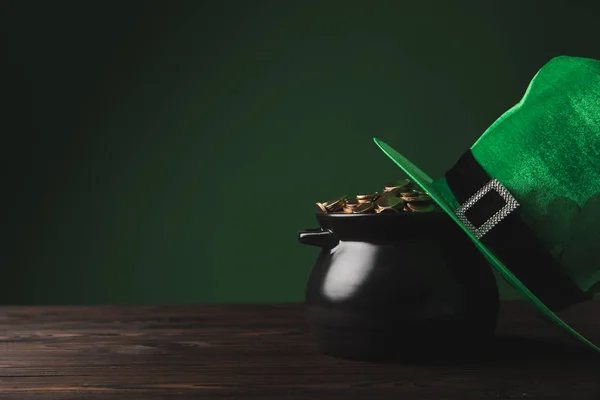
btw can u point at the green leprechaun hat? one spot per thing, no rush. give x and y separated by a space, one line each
527 192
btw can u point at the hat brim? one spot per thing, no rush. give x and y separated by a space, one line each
427 184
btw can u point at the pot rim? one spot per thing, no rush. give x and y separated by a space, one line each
383 227
429 215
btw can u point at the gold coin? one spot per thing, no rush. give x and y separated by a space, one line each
382 210
322 208
364 208
390 202
364 198
390 193
420 207
402 184
400 196
418 199
349 208
335 205
408 193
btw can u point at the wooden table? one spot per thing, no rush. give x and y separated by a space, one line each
263 352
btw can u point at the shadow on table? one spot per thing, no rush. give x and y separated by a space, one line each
538 352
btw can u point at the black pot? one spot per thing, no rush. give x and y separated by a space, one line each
398 286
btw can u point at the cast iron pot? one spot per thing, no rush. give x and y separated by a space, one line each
398 286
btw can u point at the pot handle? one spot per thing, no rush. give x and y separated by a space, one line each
318 237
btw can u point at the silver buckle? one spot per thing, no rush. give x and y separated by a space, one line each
511 205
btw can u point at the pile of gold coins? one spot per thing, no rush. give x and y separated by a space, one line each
400 196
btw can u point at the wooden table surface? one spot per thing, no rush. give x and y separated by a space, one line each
264 352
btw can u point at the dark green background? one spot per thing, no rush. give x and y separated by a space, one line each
168 152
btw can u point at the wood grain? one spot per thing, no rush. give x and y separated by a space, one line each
266 352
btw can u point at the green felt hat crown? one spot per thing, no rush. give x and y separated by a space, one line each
546 152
